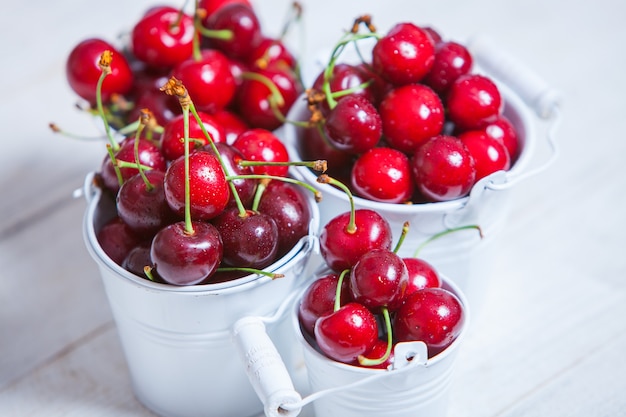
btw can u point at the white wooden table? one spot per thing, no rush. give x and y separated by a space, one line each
552 331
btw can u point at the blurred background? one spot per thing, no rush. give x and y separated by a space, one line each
552 326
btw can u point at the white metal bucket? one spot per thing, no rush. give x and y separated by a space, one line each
462 255
177 340
416 388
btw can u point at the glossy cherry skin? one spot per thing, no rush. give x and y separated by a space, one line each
344 77
172 138
411 115
346 333
209 81
432 315
354 125
82 70
404 55
421 275
270 52
287 204
144 209
245 187
208 189
138 258
383 174
503 130
490 155
318 300
313 144
163 37
250 241
472 101
379 279
232 124
241 20
211 6
443 168
181 258
254 99
452 60
378 351
262 145
149 155
116 239
341 249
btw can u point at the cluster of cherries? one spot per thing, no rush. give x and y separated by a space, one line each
199 180
411 123
371 298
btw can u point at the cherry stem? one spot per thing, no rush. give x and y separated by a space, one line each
337 304
252 271
373 362
260 190
295 16
144 119
115 162
148 271
105 65
403 233
325 179
275 93
316 193
319 165
126 164
188 224
444 233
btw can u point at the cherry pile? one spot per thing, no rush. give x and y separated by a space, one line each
410 122
371 298
199 181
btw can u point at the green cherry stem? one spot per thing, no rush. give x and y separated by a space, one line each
319 165
316 193
105 65
115 162
444 233
325 179
251 271
144 119
373 362
403 233
275 93
342 276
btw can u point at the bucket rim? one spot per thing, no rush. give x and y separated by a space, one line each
301 249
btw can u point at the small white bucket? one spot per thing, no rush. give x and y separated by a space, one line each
462 255
177 340
419 387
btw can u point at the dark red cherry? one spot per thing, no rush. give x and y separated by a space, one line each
83 71
211 6
313 145
245 187
319 300
443 168
241 20
342 78
472 101
116 239
452 60
138 258
354 125
172 138
383 174
489 154
404 55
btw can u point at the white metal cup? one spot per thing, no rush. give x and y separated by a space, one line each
177 341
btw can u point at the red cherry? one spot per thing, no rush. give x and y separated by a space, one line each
319 300
116 239
183 258
263 145
473 100
313 145
489 154
452 60
82 70
209 80
432 315
443 168
421 275
346 333
241 20
172 138
411 115
344 77
404 55
232 124
377 351
503 130
341 249
270 52
383 174
138 258
163 37
211 6
379 279
245 187
354 125
208 189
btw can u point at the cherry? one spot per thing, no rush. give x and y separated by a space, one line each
208 79
404 55
211 6
433 34
164 108
261 145
489 154
354 125
172 138
163 37
411 114
344 78
208 189
245 187
271 52
502 129
138 258
349 236
141 203
314 145
472 101
241 20
378 351
347 333
443 168
432 315
232 124
379 279
286 203
319 300
181 257
383 174
116 239
250 240
83 71
452 60
421 275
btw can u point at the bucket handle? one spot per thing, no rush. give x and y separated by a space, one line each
270 379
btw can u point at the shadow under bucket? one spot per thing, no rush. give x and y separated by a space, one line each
177 340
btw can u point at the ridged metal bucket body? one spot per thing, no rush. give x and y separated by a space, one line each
177 340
